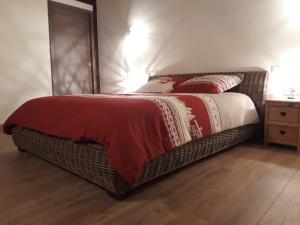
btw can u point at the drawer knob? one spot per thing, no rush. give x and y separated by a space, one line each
283 113
282 132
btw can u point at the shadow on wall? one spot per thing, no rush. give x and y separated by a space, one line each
24 56
113 67
71 74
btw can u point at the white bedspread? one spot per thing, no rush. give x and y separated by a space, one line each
236 109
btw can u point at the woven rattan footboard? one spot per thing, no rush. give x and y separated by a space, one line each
89 161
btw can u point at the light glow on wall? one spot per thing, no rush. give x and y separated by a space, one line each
293 12
285 78
134 80
136 42
135 45
290 64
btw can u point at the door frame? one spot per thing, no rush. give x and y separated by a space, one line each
94 40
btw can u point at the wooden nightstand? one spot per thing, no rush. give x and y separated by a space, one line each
282 122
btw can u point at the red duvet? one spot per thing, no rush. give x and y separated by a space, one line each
134 129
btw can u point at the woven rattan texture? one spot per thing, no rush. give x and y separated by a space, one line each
89 160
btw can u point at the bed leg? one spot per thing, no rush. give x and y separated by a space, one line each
118 197
21 150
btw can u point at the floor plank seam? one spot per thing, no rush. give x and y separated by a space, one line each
36 192
277 197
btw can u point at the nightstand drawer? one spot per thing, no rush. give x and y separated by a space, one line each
283 135
283 114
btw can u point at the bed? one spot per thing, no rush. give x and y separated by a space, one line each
89 160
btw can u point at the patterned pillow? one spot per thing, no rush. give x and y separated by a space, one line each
213 84
162 84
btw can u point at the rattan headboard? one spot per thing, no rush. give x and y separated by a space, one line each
254 85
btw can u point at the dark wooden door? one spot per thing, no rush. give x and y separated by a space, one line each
73 61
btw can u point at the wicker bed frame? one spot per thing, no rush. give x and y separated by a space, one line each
89 160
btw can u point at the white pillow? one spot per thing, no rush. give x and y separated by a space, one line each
161 85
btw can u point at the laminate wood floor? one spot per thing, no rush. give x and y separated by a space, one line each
247 185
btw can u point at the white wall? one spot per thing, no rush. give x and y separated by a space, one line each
194 35
184 36
24 53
